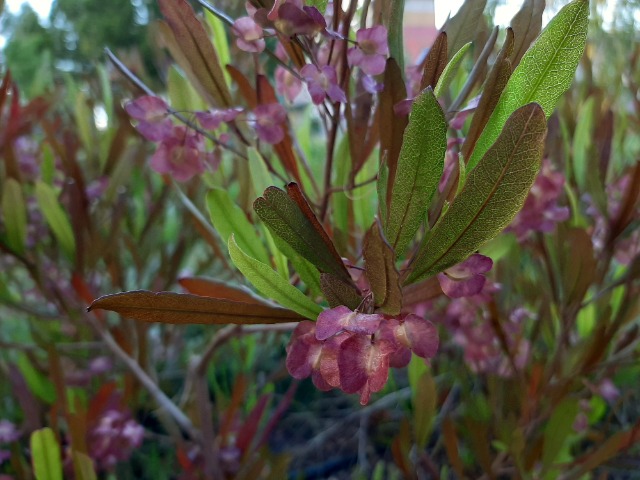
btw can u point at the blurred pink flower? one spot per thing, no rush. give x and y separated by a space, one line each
370 54
287 84
322 82
152 114
269 122
249 35
113 438
181 155
541 211
213 118
8 432
466 278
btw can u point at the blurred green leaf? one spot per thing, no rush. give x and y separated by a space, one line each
84 121
558 429
182 95
395 31
583 144
423 398
14 215
40 385
272 285
494 192
228 218
544 73
419 170
45 455
463 26
450 70
321 5
56 218
83 466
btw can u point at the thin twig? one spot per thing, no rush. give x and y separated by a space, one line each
154 390
122 68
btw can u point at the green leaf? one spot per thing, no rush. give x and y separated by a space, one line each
583 159
419 170
270 284
308 273
558 428
288 218
450 70
544 73
45 455
38 384
494 192
14 215
395 29
321 5
56 218
423 397
379 261
181 308
228 218
83 466
182 95
261 177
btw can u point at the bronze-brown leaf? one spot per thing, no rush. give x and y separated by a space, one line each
379 261
180 308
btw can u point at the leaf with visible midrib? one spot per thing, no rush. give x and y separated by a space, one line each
544 73
285 218
182 308
228 218
379 261
494 192
419 170
45 455
270 284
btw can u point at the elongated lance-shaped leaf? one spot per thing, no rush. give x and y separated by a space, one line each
494 192
463 26
419 170
450 70
526 25
285 219
307 272
208 287
45 455
228 218
391 126
544 73
183 308
56 217
381 190
194 51
395 28
491 91
434 62
270 284
379 261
